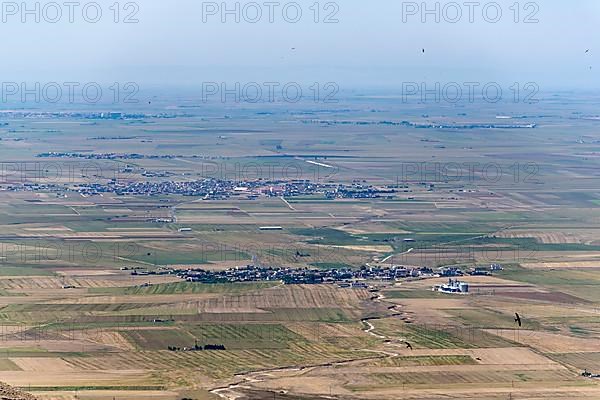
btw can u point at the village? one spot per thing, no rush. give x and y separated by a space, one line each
343 277
216 189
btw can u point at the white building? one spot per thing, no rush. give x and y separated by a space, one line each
453 286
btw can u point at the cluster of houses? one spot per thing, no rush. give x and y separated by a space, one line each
219 189
211 188
477 271
344 277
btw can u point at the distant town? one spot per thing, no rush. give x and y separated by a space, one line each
344 277
219 189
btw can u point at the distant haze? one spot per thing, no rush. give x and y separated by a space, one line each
370 46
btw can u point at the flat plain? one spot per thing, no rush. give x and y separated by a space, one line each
76 325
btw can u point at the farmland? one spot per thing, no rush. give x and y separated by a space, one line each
89 310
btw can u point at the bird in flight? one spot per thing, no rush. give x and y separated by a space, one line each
408 345
518 319
423 51
587 51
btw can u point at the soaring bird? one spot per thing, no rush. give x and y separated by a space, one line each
408 345
587 51
518 319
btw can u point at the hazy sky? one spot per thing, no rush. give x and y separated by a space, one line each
371 45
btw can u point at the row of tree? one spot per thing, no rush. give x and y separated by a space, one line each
198 347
